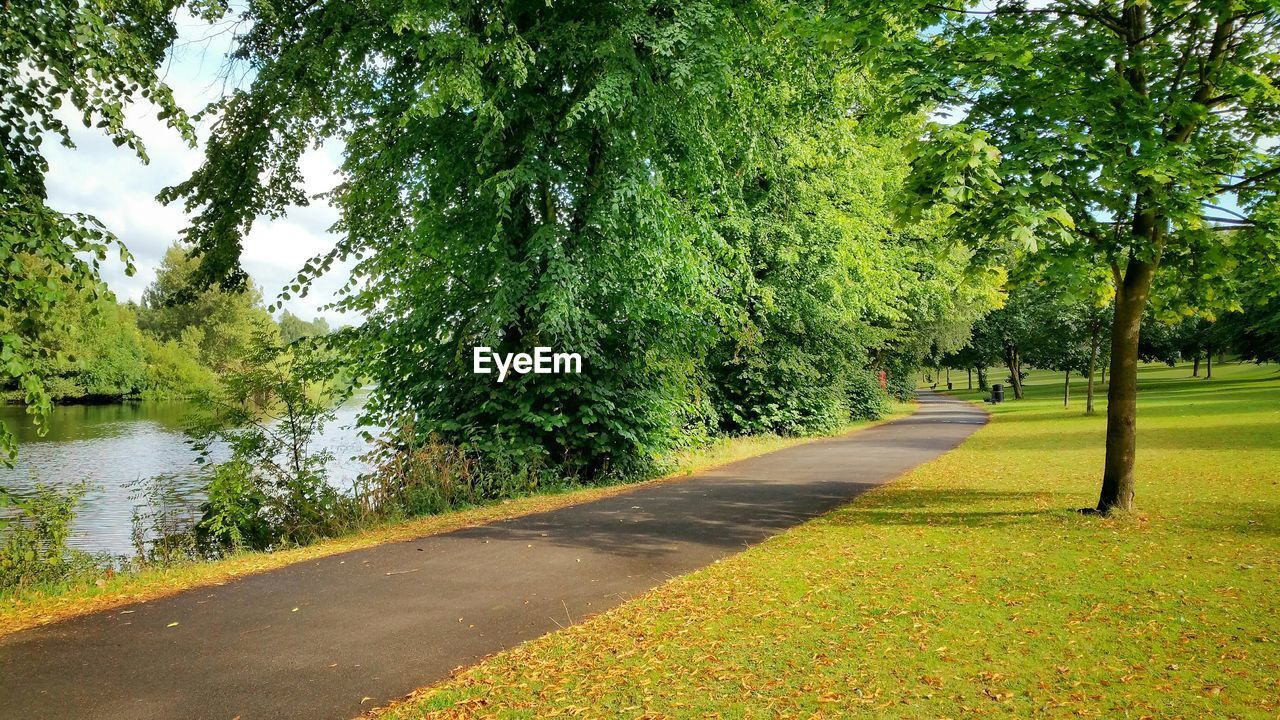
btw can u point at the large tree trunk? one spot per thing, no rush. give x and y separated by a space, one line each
1195 366
970 378
1015 370
982 379
1122 395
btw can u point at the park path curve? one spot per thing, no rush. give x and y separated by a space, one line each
333 637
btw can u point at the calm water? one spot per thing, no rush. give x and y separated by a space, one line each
116 446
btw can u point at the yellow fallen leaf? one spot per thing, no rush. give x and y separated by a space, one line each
172 624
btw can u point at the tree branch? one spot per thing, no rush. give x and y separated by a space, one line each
1251 180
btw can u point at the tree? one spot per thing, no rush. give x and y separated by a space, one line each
833 286
1097 325
294 328
515 175
1060 337
221 323
95 349
99 58
1114 128
1254 331
274 488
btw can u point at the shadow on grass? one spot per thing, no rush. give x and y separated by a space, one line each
1233 436
1217 403
968 508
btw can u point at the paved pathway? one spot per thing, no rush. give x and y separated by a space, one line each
332 637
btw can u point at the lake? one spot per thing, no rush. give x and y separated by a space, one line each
114 446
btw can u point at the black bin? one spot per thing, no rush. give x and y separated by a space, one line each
997 393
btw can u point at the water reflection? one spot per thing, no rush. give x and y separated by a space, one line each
116 446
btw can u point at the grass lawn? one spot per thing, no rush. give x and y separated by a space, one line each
34 606
969 588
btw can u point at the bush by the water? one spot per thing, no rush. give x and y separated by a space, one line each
273 490
33 538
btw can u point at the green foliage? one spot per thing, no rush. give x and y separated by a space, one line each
1138 119
1254 331
535 175
411 477
294 328
235 514
273 490
95 349
816 234
221 324
100 57
174 368
175 345
1049 325
865 398
33 538
677 191
162 519
1135 136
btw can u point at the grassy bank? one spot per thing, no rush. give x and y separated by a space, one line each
969 588
40 605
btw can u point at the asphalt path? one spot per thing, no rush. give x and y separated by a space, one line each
333 637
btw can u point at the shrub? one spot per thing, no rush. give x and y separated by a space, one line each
411 478
164 520
33 538
274 490
867 401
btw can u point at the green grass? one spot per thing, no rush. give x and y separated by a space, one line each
969 588
27 607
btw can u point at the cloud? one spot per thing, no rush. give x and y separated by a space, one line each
112 184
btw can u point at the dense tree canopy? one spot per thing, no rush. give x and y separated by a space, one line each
219 324
679 191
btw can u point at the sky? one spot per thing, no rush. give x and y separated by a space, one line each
116 187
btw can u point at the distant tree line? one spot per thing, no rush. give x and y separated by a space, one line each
1045 325
174 343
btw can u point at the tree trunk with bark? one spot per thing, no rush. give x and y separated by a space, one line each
1122 395
1066 388
1195 366
1015 370
1208 365
982 379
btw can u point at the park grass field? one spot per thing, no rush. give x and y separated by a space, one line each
43 604
968 588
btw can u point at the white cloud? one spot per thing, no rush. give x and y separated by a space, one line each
112 184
